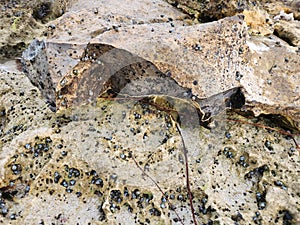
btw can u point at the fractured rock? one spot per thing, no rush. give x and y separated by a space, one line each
40 65
208 59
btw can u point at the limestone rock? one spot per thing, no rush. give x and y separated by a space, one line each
187 55
87 20
288 31
207 11
83 160
258 21
203 57
229 59
274 86
106 162
21 22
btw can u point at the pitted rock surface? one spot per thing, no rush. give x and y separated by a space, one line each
103 162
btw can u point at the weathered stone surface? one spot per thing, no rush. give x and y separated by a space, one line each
274 85
21 21
45 63
105 68
259 22
227 56
190 54
185 67
275 7
81 164
207 11
89 19
193 55
288 31
189 59
230 166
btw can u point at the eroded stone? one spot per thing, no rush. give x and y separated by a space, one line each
288 31
238 168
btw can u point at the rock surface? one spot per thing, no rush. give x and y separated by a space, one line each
289 31
274 88
122 160
190 54
21 21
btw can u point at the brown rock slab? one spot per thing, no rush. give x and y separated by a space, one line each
190 55
227 58
104 68
193 55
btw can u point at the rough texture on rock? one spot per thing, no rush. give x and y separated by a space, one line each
288 31
139 160
274 86
258 22
89 19
84 160
201 57
40 62
207 11
210 10
190 69
191 54
21 21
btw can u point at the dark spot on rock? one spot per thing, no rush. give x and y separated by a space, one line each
268 145
279 183
16 168
227 135
57 176
257 173
64 183
97 181
126 192
197 47
238 217
236 100
261 200
238 76
115 195
154 212
13 216
287 217
135 194
41 11
228 152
